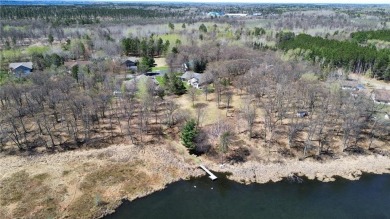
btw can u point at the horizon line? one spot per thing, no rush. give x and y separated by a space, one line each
53 2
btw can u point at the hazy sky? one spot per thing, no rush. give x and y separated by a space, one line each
272 1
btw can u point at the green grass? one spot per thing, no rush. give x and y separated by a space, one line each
37 49
160 80
172 38
160 68
11 54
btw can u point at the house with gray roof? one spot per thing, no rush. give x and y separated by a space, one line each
193 78
20 69
129 63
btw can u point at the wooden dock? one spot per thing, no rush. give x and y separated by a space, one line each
211 175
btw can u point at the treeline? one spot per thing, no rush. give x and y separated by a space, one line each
144 46
338 54
363 36
80 14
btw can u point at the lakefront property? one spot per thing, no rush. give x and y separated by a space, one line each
194 110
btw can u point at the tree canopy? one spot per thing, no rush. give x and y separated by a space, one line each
340 54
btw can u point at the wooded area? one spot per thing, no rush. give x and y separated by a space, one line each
339 54
363 36
62 107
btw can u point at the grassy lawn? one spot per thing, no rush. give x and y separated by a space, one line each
160 80
160 68
10 55
37 49
172 37
212 112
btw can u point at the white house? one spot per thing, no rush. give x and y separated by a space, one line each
192 78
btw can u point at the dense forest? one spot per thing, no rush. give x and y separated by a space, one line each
363 36
339 54
86 14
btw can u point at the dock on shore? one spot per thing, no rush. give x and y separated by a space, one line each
211 175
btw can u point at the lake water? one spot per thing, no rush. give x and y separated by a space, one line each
368 197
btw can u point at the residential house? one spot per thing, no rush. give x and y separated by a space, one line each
131 84
129 64
192 78
381 96
20 69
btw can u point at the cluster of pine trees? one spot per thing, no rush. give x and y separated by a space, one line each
363 36
145 46
339 54
173 84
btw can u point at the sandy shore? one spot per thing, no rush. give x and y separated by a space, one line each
164 165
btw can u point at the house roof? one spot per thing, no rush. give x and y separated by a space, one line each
382 95
71 64
349 84
18 64
190 74
132 58
193 80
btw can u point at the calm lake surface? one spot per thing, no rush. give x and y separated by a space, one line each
368 197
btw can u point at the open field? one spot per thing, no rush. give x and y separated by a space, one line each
67 184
